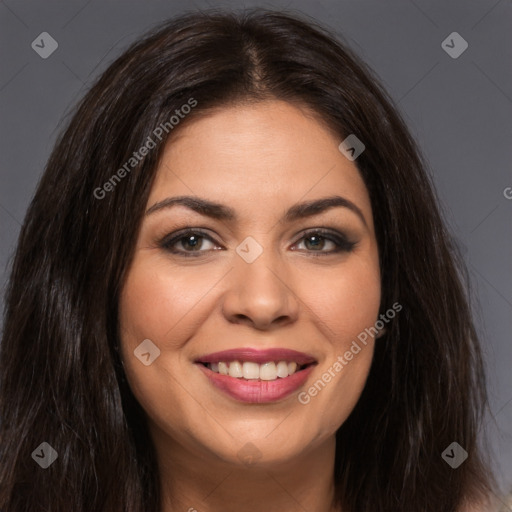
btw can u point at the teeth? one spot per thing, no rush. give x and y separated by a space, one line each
268 371
282 369
235 369
254 371
251 370
223 368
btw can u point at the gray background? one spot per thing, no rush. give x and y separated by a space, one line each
460 111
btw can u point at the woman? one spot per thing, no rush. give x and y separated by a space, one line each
233 290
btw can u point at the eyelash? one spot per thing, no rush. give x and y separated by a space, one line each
340 240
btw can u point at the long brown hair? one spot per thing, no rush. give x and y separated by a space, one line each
62 380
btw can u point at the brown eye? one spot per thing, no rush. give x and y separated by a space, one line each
317 241
188 243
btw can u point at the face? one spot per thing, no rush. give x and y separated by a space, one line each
254 272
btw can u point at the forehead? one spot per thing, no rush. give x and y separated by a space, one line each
258 156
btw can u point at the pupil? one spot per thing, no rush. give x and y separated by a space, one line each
192 240
317 240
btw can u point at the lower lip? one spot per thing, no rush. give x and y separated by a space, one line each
257 391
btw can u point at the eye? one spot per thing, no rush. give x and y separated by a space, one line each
315 241
188 243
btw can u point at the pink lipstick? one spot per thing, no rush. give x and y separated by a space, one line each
257 376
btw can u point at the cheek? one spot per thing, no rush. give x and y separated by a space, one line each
353 303
156 303
153 305
345 310
345 302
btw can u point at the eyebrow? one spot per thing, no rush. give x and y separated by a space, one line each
225 213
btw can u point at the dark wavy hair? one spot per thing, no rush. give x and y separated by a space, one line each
62 379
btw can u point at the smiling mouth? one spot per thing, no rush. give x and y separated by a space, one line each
249 370
251 382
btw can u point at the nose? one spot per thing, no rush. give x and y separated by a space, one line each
260 294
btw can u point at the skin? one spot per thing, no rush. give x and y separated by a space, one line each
258 159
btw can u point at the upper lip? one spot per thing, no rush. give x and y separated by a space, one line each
257 356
